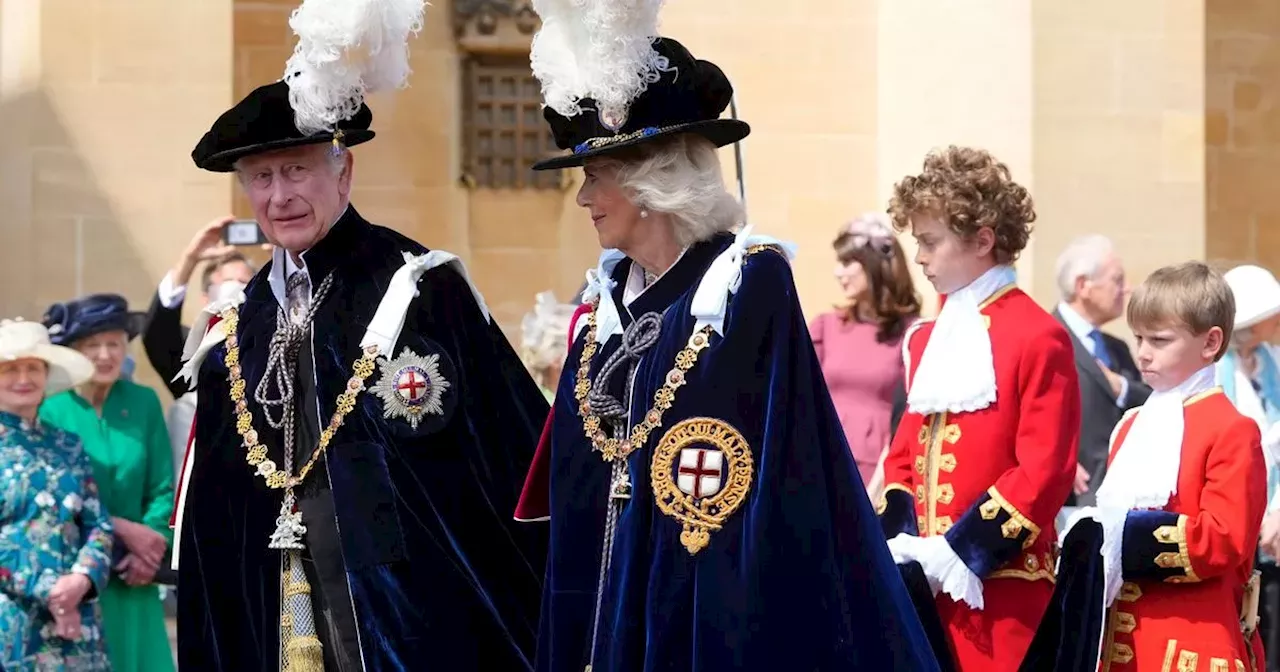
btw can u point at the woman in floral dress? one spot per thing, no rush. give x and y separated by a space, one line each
55 538
121 425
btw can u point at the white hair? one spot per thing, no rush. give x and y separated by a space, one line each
681 178
1082 258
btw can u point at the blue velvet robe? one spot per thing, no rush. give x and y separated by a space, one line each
799 578
440 576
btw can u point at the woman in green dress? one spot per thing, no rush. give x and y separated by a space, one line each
123 430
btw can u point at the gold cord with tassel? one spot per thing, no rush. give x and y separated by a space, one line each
302 651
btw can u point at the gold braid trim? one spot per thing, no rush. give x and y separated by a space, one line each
1183 555
606 140
883 502
1016 518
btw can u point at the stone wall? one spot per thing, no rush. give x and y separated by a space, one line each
101 102
1242 131
805 78
1119 143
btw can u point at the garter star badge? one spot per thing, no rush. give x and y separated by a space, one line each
411 386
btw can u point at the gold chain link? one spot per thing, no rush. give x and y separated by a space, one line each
612 448
256 453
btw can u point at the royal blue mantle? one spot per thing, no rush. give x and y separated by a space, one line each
440 575
799 577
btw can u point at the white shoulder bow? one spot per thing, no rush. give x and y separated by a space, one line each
201 339
600 286
711 301
384 329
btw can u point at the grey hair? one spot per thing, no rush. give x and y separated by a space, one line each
1082 258
337 161
681 177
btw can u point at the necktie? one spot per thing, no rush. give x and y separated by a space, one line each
298 292
1100 351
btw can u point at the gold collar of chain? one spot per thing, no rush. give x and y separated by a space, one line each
256 454
613 448
610 448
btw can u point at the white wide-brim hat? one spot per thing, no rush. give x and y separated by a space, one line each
1257 294
20 339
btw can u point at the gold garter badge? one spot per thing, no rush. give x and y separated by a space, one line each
701 474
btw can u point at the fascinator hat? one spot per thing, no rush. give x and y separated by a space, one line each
544 331
868 230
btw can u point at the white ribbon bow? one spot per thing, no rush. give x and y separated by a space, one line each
388 320
600 286
201 339
711 300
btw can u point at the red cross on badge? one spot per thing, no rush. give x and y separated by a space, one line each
701 472
412 385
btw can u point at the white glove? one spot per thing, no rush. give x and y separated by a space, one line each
902 547
947 572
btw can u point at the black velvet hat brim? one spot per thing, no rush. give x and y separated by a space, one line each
720 132
224 162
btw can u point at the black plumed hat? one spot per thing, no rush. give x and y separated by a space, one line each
688 97
264 121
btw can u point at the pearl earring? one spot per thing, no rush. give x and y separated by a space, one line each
643 213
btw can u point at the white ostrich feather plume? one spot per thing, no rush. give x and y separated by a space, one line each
347 49
598 49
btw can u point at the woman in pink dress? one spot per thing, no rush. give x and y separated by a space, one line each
859 344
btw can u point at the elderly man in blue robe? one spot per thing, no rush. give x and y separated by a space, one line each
362 428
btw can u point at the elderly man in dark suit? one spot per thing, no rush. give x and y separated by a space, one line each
1091 280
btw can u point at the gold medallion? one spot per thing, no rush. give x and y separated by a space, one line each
701 473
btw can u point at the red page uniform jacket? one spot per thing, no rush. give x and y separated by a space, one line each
993 480
1187 568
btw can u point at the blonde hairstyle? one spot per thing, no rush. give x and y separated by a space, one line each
681 178
1190 295
971 191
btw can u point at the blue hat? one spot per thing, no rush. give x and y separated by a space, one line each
94 314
